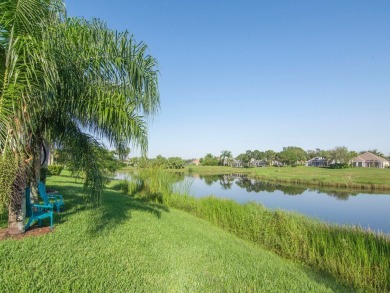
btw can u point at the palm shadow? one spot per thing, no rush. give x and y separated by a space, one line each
325 278
114 209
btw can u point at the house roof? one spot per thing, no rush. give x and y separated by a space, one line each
368 157
317 159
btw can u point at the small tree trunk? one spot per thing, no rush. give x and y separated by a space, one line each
49 155
17 212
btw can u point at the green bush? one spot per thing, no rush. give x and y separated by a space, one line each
338 166
54 169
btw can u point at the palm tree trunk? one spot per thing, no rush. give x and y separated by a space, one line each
17 211
35 175
17 204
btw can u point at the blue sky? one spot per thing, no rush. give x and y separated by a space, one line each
240 75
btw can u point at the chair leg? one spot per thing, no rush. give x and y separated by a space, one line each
51 220
29 223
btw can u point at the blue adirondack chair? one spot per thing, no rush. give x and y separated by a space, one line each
38 212
55 199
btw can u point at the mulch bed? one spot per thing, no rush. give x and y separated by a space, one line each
31 232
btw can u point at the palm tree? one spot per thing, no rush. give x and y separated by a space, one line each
27 72
122 151
75 79
225 156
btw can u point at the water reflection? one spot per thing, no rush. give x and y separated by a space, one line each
259 186
228 181
340 206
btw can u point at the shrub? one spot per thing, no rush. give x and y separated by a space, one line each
339 166
55 169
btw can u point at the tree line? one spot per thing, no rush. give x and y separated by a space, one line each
291 156
158 162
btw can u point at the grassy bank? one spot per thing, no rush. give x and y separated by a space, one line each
129 245
358 258
357 178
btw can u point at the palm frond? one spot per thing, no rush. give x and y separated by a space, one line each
81 156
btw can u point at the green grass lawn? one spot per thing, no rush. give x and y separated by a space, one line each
362 178
128 245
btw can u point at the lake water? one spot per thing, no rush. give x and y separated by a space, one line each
334 206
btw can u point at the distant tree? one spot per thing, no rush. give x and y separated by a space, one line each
245 157
324 154
133 162
270 156
209 160
340 155
122 151
352 155
175 163
258 155
225 157
292 156
140 162
310 154
375 152
159 161
287 157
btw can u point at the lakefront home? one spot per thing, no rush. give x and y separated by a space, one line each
317 162
196 162
370 160
258 163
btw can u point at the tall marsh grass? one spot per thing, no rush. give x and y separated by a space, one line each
356 257
151 183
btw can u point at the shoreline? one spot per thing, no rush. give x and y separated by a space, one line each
363 179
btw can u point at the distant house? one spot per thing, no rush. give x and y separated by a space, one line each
196 162
236 163
257 163
370 160
317 162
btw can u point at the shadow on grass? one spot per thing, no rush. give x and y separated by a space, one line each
115 208
322 277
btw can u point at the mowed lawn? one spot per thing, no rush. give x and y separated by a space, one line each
133 246
347 176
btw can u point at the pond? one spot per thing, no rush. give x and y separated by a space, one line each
337 206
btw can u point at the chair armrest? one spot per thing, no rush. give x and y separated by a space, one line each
43 206
54 196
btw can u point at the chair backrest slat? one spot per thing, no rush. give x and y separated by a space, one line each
42 193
